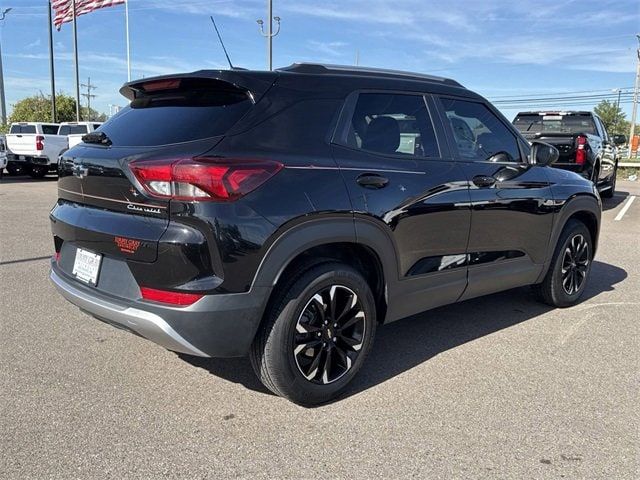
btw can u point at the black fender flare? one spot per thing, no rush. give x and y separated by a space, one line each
578 203
323 231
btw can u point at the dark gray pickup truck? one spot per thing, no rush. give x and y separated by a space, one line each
582 141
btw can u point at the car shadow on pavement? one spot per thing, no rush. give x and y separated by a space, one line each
404 344
611 203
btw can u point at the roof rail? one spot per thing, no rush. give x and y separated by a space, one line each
320 68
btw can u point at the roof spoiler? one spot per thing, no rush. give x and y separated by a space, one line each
256 83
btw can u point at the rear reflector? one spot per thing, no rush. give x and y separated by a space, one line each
581 152
204 178
56 257
170 298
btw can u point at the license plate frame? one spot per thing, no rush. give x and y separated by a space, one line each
86 266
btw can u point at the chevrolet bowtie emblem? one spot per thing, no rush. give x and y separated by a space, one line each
80 170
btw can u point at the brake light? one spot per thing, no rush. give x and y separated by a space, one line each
581 149
39 142
171 298
203 178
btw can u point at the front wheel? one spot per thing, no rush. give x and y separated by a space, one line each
316 335
568 273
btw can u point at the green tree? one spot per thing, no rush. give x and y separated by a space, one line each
612 116
38 109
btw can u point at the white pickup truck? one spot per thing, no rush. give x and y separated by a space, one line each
74 131
34 148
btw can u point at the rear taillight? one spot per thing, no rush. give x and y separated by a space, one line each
203 178
581 149
39 142
170 298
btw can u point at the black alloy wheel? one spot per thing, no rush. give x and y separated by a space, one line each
329 334
575 264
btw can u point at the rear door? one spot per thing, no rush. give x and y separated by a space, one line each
511 200
399 173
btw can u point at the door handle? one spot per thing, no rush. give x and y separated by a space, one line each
483 181
372 181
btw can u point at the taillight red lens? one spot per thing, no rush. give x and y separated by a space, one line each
581 149
170 298
39 142
203 178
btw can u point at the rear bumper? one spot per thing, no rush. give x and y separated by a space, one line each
215 326
28 160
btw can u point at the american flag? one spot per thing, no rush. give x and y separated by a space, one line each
64 8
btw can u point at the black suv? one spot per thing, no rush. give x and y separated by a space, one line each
284 215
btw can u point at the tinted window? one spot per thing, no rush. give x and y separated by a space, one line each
392 124
72 129
23 129
176 116
478 132
554 123
50 129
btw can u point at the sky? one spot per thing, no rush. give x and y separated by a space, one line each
498 48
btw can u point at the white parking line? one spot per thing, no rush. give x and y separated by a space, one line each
625 208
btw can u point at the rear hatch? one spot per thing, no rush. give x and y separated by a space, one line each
102 205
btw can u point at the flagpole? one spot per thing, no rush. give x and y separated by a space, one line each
126 21
51 68
75 55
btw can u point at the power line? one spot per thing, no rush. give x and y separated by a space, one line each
559 93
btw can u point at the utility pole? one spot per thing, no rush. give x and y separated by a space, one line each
88 95
635 99
3 103
270 33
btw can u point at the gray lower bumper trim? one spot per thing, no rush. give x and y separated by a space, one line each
146 324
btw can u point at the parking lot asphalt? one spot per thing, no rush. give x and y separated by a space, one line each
496 387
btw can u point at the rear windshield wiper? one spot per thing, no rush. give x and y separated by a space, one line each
97 137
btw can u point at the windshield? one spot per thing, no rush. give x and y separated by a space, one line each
553 123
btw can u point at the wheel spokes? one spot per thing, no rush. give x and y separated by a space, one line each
329 334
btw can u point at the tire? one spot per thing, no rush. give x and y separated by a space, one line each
610 192
38 171
570 263
14 170
286 354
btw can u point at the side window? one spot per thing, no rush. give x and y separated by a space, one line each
50 129
478 132
64 130
601 129
392 124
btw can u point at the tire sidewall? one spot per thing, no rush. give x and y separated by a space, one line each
288 376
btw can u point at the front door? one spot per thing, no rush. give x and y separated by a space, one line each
511 199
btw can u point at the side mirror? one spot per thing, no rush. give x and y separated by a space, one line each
620 139
543 153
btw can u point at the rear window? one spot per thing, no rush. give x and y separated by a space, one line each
178 116
50 129
23 129
72 129
555 123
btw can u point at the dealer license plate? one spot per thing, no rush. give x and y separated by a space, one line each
86 266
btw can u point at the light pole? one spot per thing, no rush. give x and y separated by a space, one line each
3 104
635 100
269 33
